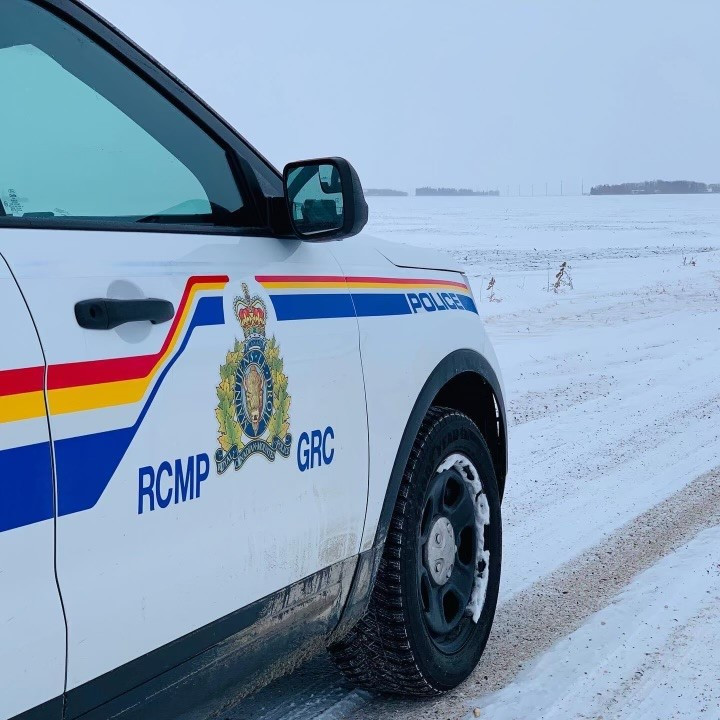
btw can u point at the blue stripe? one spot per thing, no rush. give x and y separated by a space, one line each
467 302
26 490
380 304
84 464
312 306
321 306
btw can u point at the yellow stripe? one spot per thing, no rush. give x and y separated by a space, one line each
405 286
22 406
287 285
360 285
121 392
90 397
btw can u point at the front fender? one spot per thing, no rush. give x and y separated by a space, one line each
457 363
454 364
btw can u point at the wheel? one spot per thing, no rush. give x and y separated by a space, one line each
434 598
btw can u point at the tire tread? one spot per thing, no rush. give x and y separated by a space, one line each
376 653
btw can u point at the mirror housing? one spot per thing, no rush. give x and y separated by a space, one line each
324 199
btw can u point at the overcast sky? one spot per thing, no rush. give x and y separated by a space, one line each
460 93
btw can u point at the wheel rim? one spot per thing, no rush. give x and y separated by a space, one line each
448 554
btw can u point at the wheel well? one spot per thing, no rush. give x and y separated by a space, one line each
469 393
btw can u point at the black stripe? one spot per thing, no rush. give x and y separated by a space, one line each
231 653
50 710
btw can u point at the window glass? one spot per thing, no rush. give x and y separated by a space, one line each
81 136
315 193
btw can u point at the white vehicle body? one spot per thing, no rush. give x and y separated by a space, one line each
147 535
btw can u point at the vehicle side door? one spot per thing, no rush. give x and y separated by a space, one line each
208 424
32 628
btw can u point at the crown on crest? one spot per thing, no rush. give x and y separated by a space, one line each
251 313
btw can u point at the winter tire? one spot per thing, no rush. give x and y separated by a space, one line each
434 598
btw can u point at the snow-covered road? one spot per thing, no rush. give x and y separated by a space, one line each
652 652
613 393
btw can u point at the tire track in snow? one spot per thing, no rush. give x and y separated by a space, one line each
535 618
526 624
651 432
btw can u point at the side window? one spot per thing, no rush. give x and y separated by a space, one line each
82 136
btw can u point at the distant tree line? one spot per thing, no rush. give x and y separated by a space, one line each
657 187
384 191
456 191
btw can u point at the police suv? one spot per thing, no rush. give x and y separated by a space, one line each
227 440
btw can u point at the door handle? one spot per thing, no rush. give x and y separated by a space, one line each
105 314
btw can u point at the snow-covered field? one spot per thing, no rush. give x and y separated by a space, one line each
613 388
611 575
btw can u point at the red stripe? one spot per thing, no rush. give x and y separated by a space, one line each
407 281
116 369
340 278
300 278
22 380
99 371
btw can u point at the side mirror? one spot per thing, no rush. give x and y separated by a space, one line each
324 198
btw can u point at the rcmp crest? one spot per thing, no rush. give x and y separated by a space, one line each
253 411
